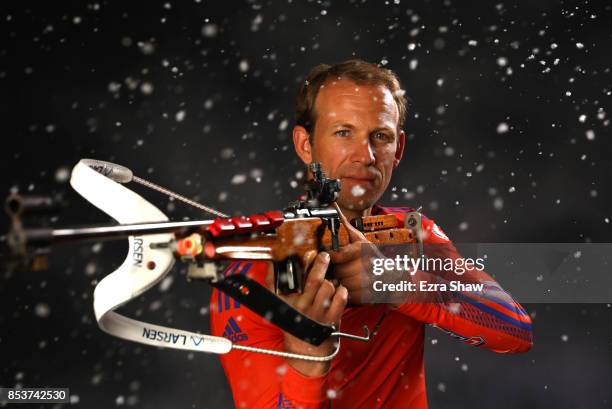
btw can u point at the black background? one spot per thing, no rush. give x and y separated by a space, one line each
76 81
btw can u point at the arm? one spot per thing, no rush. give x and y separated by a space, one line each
491 319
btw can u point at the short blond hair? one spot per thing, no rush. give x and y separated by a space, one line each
360 72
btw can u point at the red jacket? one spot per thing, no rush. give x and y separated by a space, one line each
387 371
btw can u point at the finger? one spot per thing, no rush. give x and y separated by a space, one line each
337 306
291 299
353 287
322 300
354 234
352 284
347 271
308 258
315 277
346 253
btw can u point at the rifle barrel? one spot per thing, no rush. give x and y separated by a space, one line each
48 235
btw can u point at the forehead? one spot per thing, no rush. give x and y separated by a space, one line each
341 97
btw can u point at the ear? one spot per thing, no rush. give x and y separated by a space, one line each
399 151
301 143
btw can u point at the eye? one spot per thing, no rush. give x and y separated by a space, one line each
381 136
342 132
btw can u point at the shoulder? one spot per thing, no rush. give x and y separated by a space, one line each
432 233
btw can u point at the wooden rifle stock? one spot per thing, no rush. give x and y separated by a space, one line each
294 244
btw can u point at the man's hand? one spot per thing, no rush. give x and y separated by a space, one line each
322 302
347 268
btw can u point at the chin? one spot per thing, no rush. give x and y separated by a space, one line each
357 204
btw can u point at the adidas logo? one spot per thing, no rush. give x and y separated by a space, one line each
233 331
284 403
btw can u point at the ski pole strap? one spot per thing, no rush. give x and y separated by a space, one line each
142 269
267 305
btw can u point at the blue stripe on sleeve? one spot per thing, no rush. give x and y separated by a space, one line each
498 314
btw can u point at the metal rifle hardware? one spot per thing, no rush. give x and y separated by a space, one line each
321 192
28 210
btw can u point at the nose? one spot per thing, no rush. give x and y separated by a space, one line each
362 152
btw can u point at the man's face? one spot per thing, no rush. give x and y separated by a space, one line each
355 139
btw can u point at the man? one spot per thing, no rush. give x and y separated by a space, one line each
349 118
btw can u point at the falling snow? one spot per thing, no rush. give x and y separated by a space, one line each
180 116
238 179
502 128
506 140
42 310
357 191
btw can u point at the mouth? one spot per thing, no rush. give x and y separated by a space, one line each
359 178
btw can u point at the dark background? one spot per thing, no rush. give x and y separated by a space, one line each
191 94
